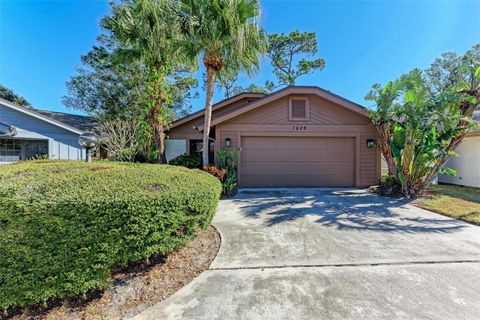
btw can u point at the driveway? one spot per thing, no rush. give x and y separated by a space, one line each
332 254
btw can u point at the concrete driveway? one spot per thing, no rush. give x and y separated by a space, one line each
332 254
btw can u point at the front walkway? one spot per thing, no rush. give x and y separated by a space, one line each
332 254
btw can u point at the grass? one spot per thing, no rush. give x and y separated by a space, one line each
458 202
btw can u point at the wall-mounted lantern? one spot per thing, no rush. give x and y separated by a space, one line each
371 143
228 142
88 140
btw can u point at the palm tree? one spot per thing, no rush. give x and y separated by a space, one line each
225 34
147 31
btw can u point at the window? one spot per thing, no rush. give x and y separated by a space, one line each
35 149
13 150
298 108
10 150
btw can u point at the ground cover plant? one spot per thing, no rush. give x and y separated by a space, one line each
454 201
64 226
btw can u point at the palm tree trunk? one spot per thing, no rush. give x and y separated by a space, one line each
158 131
208 114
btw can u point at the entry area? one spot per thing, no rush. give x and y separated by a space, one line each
297 161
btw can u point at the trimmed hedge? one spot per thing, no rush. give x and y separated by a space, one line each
64 226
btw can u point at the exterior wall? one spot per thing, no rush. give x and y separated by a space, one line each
62 144
467 164
327 119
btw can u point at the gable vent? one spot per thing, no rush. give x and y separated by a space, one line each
299 109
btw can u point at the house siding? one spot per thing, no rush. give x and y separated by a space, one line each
62 144
327 119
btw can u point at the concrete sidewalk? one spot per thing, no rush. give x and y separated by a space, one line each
332 254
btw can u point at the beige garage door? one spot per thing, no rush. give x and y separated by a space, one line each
297 162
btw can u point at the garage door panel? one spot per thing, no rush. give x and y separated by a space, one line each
306 167
296 180
301 155
292 143
297 161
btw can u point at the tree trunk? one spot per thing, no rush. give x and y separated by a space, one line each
208 114
158 131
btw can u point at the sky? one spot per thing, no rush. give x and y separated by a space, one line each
363 42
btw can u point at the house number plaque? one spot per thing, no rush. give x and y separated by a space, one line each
299 128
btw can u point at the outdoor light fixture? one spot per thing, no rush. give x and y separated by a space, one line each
371 143
88 140
228 142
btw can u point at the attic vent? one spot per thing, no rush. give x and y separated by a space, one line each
298 109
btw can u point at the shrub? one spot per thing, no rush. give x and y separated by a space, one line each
64 226
389 186
227 159
189 161
214 171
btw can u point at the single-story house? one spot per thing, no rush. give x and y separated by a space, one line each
467 164
299 136
30 133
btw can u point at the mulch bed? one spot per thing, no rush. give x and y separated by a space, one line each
140 286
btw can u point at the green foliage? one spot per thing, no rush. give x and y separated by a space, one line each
227 160
192 161
104 87
421 118
148 33
288 55
11 96
226 35
64 226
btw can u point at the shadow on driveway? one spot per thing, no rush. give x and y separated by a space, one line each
342 209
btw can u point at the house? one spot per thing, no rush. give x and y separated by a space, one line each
299 136
30 133
467 164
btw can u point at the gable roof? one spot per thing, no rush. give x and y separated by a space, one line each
218 105
44 116
292 90
80 122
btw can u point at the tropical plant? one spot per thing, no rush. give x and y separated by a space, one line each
419 126
288 54
11 96
220 174
227 160
226 34
148 32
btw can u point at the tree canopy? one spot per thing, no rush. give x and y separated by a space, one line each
289 55
226 35
10 95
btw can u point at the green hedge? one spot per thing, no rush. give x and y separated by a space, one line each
65 225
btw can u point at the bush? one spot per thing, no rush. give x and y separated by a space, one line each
189 161
214 171
389 186
64 226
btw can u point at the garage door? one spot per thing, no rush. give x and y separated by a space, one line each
297 162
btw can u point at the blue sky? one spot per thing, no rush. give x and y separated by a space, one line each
363 42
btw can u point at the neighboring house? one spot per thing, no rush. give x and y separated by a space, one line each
467 164
295 137
40 133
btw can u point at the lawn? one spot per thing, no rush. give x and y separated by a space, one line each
454 201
